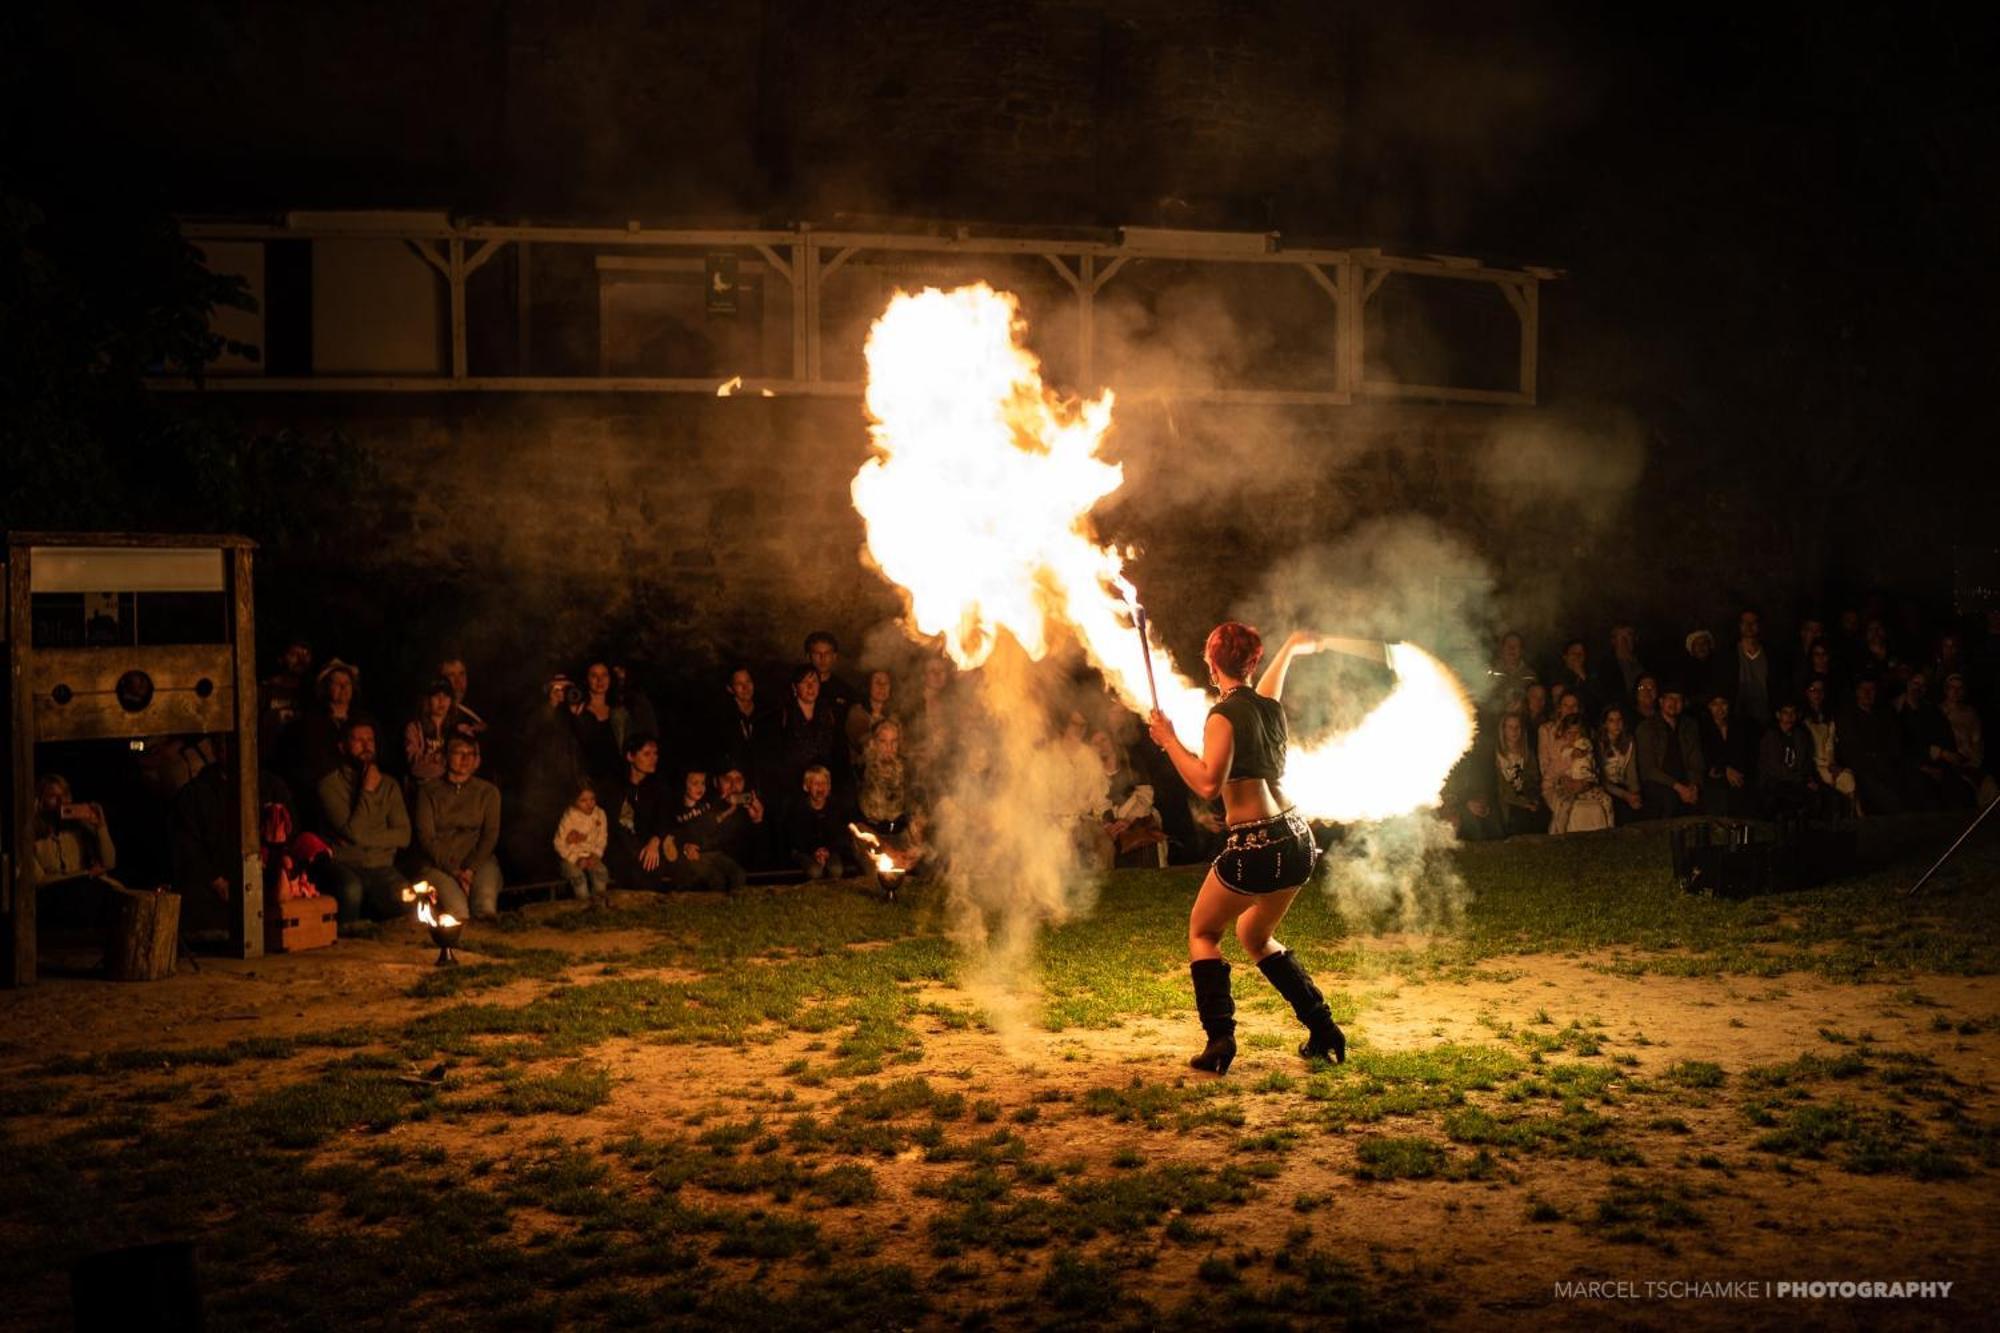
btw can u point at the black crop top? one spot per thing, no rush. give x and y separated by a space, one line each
1259 724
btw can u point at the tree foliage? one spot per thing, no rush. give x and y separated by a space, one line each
94 300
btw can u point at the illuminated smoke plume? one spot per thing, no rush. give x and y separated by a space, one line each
977 504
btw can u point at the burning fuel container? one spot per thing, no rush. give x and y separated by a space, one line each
1738 858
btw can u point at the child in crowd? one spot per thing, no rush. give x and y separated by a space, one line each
580 840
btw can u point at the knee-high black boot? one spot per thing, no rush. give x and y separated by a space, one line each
1218 1015
1324 1038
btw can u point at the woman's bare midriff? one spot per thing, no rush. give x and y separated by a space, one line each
1247 800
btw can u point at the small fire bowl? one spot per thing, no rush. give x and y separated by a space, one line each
889 881
446 938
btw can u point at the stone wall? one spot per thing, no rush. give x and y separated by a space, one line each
528 530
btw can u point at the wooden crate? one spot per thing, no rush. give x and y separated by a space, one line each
293 925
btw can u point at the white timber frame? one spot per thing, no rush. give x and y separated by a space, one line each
806 258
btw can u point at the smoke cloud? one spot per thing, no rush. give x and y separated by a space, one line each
1003 820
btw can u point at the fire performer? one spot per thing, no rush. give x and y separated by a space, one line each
1269 853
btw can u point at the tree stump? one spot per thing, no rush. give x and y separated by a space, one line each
143 937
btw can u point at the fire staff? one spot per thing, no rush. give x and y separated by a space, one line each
1269 852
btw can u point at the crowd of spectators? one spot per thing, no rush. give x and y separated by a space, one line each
593 793
598 788
1839 721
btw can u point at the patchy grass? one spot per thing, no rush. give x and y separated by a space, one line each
494 1162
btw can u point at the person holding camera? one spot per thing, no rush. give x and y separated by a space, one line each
73 856
738 819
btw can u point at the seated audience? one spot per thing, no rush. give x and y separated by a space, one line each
463 719
1871 744
1670 760
1932 748
366 824
1787 772
930 720
548 769
636 805
823 651
1755 684
1572 789
1618 675
282 699
1467 802
883 806
1968 738
1949 660
318 751
1731 760
1574 676
424 735
74 856
1878 659
1618 767
883 797
602 725
699 864
171 762
864 715
1812 630
641 718
1076 789
1129 817
1816 663
816 838
1645 700
1518 780
457 827
739 735
739 819
207 851
1536 710
1510 670
1700 674
581 838
1833 776
809 734
1548 739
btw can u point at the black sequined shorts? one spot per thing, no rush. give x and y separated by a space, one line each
1267 856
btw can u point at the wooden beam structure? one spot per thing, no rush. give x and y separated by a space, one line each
69 692
805 259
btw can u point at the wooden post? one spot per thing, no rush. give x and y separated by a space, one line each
19 959
808 264
1086 325
143 938
455 276
246 924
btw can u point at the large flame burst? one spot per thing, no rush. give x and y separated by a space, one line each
978 505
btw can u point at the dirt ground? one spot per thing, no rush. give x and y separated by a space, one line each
1475 1242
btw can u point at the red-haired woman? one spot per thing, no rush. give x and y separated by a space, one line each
1269 852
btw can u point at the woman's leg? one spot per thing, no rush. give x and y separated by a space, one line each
1256 930
1215 907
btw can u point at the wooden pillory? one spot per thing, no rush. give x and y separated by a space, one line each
59 689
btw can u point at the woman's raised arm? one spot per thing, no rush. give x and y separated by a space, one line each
1300 643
